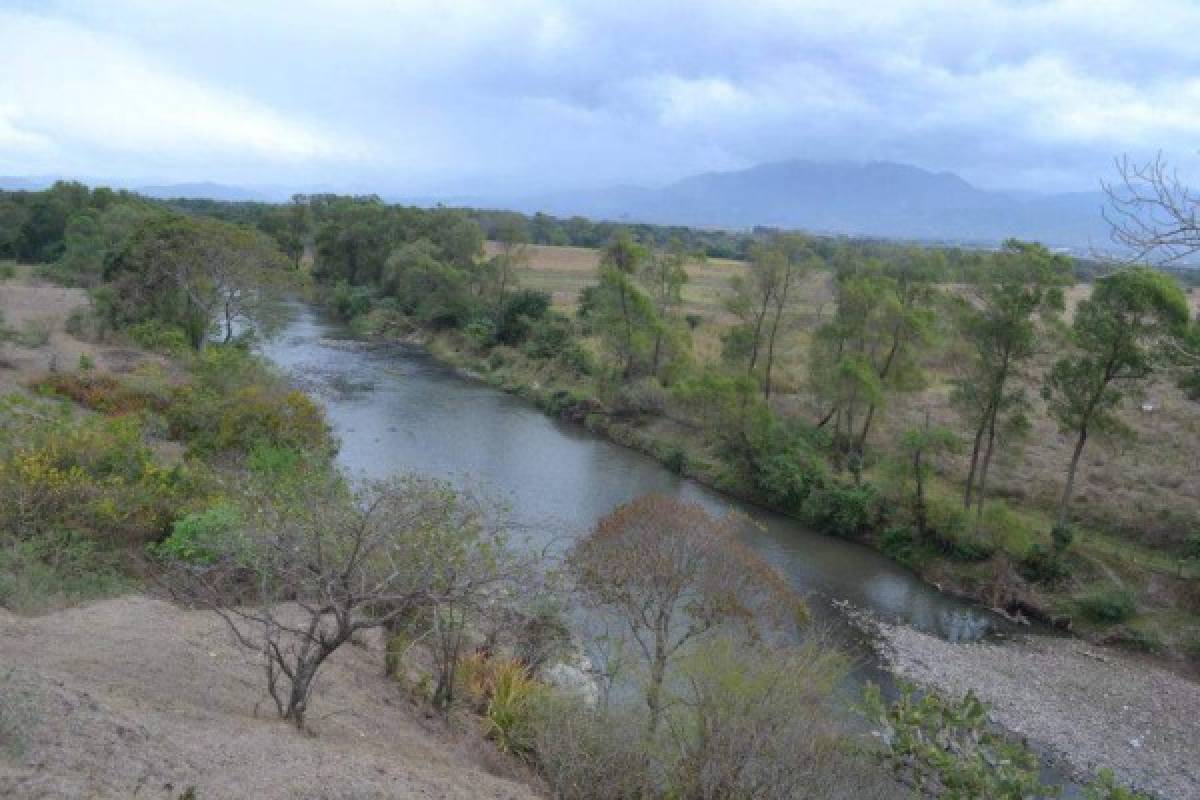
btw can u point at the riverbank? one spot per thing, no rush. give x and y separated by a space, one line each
994 582
1091 707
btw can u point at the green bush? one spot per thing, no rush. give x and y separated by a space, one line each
548 337
1042 564
643 396
199 538
576 356
1106 605
347 302
845 511
159 337
521 311
676 460
898 544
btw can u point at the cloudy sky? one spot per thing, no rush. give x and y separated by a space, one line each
483 96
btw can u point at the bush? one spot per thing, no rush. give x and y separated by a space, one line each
576 356
643 396
1107 605
950 529
199 538
520 312
160 337
1043 565
34 334
676 460
845 511
347 302
549 337
897 544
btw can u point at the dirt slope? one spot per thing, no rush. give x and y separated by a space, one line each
134 697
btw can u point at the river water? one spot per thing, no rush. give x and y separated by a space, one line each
396 409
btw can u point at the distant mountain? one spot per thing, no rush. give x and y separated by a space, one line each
882 199
205 191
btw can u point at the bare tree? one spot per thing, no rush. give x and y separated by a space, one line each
671 573
1152 214
322 562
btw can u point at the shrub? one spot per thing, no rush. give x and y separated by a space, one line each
199 538
897 544
1106 605
845 511
508 708
548 337
643 396
106 393
676 460
8 270
1061 536
1043 565
160 337
86 364
519 313
576 356
347 302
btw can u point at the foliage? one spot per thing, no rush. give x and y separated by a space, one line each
945 748
200 537
348 302
93 475
520 312
845 511
1106 605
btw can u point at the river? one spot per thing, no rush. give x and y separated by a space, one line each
394 408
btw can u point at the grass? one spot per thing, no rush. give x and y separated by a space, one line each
55 571
18 713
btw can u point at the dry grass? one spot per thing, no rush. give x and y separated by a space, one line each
1144 488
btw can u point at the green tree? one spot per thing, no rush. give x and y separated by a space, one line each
999 326
918 445
664 275
1121 333
624 314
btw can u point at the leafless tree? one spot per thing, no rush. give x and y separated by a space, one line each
322 562
1152 214
671 573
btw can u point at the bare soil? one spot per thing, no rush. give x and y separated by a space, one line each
1092 706
135 697
26 302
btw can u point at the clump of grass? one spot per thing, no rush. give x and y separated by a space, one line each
1108 605
56 570
34 334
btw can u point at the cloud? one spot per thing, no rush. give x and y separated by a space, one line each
473 95
77 94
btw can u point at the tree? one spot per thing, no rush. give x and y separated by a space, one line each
664 274
1122 332
919 444
623 312
1152 214
193 272
999 326
673 574
753 295
794 259
513 255
323 562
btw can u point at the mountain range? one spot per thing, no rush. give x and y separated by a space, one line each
880 199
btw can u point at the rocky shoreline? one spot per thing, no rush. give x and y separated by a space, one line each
1090 707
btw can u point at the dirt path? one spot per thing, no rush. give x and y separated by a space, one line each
1092 706
136 697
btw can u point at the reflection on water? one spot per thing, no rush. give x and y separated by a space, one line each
395 409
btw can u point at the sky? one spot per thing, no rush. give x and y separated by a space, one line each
525 96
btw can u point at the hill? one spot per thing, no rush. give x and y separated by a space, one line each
882 199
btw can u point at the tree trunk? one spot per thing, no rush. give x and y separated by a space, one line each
981 494
974 464
1064 503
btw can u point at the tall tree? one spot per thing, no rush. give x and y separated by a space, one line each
1121 334
624 311
664 274
999 326
513 255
